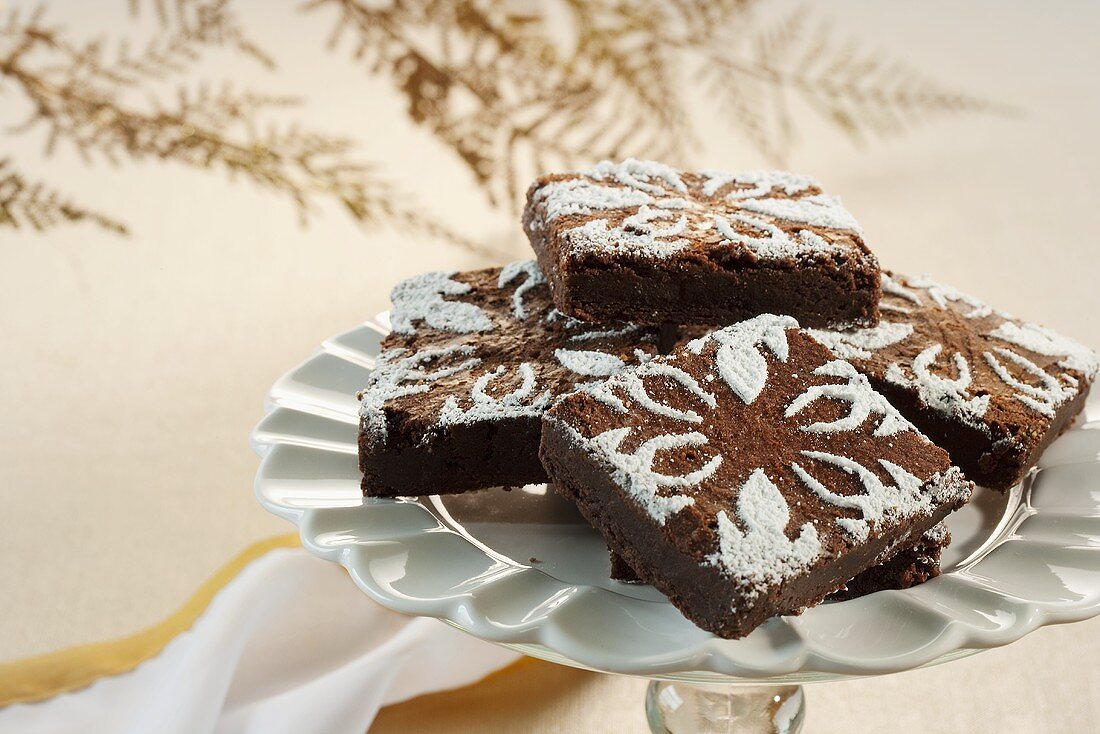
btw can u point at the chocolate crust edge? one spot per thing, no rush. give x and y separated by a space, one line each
816 294
457 464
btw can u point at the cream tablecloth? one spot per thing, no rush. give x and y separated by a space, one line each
135 367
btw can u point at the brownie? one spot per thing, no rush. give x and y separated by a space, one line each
642 241
621 570
991 389
747 474
455 399
908 567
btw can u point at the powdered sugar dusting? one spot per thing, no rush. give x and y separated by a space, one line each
634 471
774 242
648 176
862 401
1043 341
633 383
591 334
893 288
398 374
442 302
580 196
937 533
760 555
879 501
645 209
947 395
588 362
761 183
818 210
860 344
1044 397
534 277
739 360
597 235
951 384
942 295
523 401
754 549
421 298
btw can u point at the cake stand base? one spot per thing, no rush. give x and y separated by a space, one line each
674 707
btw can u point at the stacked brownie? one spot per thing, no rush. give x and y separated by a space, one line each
474 359
714 369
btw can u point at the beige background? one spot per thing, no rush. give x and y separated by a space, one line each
135 368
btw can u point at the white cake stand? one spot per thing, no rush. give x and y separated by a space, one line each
523 569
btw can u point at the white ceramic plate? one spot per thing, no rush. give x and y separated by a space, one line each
523 569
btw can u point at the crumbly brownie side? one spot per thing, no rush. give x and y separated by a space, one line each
455 400
907 568
748 474
645 242
621 570
991 389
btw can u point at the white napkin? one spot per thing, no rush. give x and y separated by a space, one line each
290 645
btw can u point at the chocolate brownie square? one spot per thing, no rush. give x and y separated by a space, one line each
455 400
907 568
992 390
748 474
645 242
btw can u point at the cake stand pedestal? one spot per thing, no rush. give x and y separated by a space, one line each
678 707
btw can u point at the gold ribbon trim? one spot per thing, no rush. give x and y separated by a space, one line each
44 676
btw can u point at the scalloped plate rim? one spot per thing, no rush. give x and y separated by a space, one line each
710 657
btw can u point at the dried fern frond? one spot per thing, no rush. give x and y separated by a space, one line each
81 98
858 92
493 85
511 98
186 25
26 203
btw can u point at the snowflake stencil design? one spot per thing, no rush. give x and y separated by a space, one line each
668 407
648 209
962 385
440 316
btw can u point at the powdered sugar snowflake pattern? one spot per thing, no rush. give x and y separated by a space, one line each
684 429
879 500
756 548
399 373
510 309
634 471
524 400
962 383
861 398
649 210
739 360
422 298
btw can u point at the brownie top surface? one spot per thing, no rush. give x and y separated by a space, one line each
965 360
483 345
758 452
643 210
